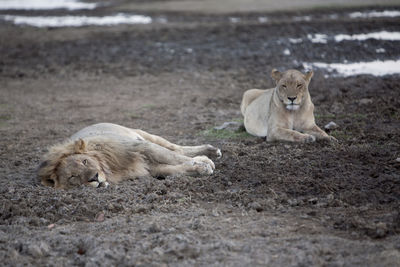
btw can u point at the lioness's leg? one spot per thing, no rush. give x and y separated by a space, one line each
190 151
248 97
284 134
319 133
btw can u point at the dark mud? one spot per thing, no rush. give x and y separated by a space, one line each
280 204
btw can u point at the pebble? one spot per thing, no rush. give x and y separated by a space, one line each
365 101
229 125
38 250
331 126
99 217
398 159
256 206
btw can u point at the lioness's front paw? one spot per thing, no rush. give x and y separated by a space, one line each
213 151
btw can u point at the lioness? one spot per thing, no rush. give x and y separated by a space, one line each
105 152
284 112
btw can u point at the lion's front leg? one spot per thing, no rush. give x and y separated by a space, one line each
319 133
194 167
283 134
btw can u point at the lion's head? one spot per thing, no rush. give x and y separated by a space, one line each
291 87
71 165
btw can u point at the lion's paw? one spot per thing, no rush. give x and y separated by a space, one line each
206 160
333 139
309 138
213 152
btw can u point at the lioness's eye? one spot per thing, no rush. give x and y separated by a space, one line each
299 85
284 86
84 161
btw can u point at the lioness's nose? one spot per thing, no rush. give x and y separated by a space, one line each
292 98
94 178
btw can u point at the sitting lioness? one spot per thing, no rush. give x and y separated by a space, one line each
284 112
108 153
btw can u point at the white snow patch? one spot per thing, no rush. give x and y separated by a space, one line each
383 35
76 21
380 50
376 68
375 14
318 38
44 4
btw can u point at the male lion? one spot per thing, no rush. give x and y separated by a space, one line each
284 112
106 152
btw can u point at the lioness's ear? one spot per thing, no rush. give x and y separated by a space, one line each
276 75
308 75
80 146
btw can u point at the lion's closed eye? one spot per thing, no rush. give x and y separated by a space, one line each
74 180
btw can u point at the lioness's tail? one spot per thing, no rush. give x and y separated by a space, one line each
248 97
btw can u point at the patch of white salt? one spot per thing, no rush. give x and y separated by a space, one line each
375 14
76 21
382 35
44 4
376 68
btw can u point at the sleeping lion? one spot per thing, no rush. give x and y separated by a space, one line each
108 153
282 113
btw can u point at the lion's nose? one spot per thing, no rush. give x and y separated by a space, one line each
94 178
292 98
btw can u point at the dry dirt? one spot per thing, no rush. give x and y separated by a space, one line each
276 204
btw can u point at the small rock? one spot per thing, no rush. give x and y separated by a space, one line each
229 125
99 217
331 126
398 160
154 228
365 101
51 226
255 206
381 229
293 202
337 108
38 250
330 197
313 200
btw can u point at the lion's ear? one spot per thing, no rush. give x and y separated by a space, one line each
308 75
49 181
276 75
80 146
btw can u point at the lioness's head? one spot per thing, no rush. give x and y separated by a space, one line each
67 166
291 87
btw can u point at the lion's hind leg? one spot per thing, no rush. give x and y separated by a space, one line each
189 151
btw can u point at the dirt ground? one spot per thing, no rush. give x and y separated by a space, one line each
275 204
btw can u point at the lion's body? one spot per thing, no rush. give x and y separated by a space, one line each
268 114
111 153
